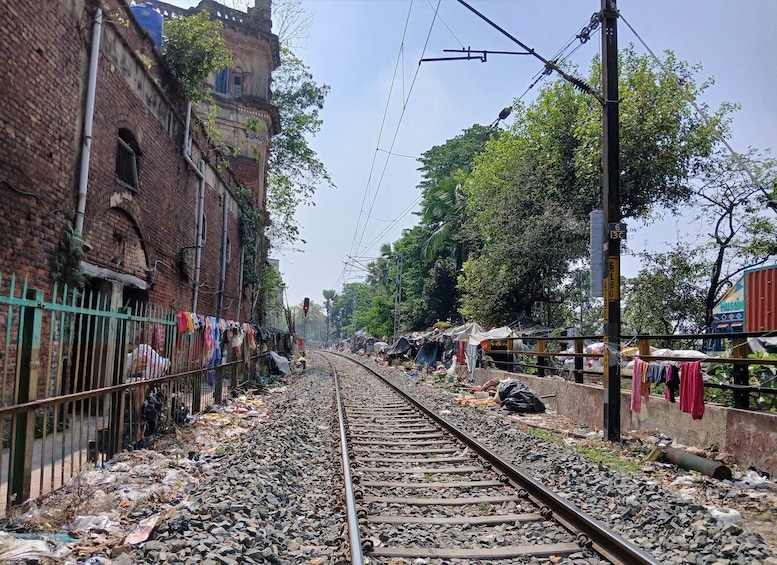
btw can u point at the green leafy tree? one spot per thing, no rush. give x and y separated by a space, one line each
668 294
742 232
294 168
531 190
194 49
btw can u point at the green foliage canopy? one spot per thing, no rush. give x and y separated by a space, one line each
194 49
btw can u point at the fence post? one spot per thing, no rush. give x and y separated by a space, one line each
217 391
741 374
579 377
541 360
26 390
643 345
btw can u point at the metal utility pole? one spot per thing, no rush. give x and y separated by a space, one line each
615 231
398 296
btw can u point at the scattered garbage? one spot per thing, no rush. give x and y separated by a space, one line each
515 396
143 531
15 549
281 362
726 514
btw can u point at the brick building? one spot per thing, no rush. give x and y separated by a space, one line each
145 194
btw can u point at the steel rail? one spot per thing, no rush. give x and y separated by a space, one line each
608 543
350 498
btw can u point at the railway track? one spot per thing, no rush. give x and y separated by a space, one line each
418 487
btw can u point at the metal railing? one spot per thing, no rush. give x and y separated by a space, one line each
80 382
545 356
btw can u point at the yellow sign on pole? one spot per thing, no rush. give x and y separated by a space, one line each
612 284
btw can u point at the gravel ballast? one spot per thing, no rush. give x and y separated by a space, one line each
673 530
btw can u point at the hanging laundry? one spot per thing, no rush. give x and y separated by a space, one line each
182 324
158 339
692 389
672 383
655 373
639 388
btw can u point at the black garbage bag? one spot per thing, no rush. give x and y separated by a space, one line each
514 396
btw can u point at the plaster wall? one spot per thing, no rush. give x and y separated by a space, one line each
751 437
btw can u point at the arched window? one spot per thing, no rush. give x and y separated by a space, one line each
127 153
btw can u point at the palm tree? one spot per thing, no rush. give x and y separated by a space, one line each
443 212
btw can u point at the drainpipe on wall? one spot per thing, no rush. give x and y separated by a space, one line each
200 172
198 241
223 274
91 88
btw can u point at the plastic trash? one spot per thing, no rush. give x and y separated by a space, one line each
518 397
281 362
143 531
16 549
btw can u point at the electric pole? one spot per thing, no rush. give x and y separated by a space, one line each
615 232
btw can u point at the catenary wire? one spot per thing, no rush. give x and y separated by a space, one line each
382 125
399 124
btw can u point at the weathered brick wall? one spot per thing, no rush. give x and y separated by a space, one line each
40 123
141 233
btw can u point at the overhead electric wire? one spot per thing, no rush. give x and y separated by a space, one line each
382 125
398 154
542 74
446 25
402 214
700 111
399 124
359 246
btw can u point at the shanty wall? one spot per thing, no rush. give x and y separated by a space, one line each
751 437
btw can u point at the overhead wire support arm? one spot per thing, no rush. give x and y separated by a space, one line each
471 54
549 65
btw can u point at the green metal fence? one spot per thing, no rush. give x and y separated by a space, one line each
80 380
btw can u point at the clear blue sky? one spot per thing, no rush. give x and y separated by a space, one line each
367 51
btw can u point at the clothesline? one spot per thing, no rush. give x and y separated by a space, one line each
686 378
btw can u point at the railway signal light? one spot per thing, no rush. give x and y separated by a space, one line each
306 305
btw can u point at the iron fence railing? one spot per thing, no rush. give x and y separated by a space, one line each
81 381
732 364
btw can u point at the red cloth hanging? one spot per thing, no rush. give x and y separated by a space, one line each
692 389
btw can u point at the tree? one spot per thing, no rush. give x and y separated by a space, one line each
668 294
532 188
294 169
194 49
734 209
329 296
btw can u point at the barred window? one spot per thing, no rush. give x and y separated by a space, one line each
127 153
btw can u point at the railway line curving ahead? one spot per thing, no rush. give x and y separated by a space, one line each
417 486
